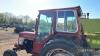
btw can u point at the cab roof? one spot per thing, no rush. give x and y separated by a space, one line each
77 8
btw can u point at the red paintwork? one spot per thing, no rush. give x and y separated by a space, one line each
77 7
37 47
28 35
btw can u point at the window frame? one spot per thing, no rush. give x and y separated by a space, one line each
38 23
75 14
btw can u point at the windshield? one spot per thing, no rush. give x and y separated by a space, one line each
66 21
45 23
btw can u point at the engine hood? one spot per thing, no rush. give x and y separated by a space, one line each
27 35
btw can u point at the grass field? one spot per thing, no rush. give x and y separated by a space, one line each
92 30
91 25
94 40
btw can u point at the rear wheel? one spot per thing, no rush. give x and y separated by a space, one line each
58 49
9 53
63 48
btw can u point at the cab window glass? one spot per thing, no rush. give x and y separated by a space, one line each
66 21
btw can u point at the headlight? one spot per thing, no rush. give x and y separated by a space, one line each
20 41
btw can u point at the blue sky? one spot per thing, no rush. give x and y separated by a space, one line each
30 7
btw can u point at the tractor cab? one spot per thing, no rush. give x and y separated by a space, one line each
58 21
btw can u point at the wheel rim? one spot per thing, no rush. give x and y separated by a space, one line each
58 52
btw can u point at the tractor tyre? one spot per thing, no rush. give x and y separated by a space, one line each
9 53
58 49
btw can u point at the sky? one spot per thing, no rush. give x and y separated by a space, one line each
31 7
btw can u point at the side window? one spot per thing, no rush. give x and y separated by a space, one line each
71 24
60 21
66 21
44 25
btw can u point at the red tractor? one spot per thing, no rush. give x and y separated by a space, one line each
58 32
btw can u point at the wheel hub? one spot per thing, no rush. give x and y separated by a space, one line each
58 52
61 54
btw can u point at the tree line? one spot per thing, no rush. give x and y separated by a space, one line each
10 19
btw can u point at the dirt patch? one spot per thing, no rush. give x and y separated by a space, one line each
7 41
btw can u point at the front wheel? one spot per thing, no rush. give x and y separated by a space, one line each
9 53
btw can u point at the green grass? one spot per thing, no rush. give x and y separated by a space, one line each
94 40
91 25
